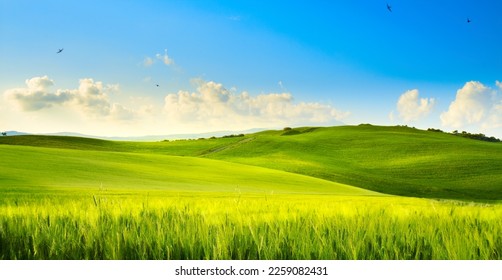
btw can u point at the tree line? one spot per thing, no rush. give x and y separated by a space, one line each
465 134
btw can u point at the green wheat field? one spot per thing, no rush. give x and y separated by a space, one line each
348 192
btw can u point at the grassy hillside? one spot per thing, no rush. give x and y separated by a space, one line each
179 147
394 160
33 169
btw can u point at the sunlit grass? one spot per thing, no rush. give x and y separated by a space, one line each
163 225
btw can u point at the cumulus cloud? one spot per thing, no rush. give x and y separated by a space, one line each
213 104
90 98
37 95
91 108
476 104
412 108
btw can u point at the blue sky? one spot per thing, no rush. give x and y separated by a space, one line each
228 65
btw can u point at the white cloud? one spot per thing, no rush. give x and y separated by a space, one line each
90 98
411 108
214 106
165 58
37 95
89 108
39 83
92 108
473 105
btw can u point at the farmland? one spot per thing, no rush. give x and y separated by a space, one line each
315 193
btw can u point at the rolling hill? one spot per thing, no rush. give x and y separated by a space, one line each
393 160
30 170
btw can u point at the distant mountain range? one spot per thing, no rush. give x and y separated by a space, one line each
143 138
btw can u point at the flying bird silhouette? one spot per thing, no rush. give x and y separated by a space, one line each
468 20
157 85
389 7
60 50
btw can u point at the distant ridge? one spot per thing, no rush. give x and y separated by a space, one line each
16 133
146 138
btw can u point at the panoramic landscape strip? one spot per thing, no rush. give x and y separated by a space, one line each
350 192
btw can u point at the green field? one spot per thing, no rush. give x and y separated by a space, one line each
352 192
394 160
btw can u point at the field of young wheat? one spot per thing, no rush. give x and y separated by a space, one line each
137 225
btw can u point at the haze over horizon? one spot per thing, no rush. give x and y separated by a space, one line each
134 68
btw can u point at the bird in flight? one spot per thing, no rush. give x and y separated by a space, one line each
389 7
157 85
468 20
60 50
